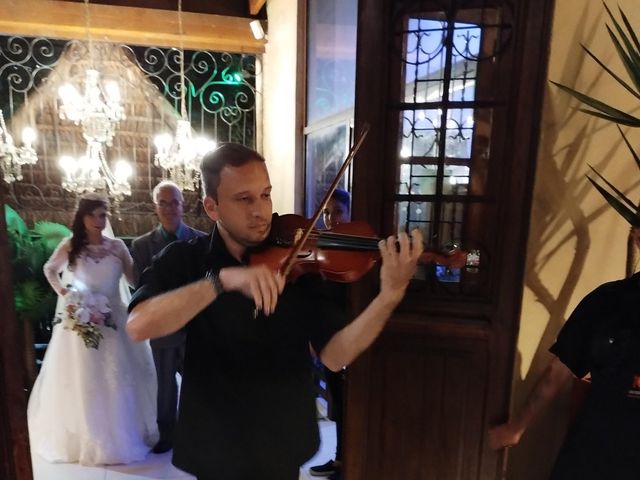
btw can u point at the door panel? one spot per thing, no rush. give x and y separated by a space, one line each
428 389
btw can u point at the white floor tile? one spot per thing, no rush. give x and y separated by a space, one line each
153 467
43 470
159 467
327 449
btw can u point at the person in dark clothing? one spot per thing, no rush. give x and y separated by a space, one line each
168 352
337 211
600 338
247 407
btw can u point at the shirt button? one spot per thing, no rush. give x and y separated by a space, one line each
611 339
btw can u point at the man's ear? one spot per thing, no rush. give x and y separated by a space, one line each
211 208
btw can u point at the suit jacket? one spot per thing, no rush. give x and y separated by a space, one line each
143 249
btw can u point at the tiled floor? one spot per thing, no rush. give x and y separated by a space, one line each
159 466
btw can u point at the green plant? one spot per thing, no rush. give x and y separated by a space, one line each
35 300
627 47
30 249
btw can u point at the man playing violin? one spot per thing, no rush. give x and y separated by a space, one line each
247 407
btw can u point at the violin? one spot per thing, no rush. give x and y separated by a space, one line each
343 254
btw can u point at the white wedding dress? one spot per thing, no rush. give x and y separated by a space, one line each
94 406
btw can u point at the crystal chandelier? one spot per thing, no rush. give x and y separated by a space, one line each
181 154
91 172
12 158
99 111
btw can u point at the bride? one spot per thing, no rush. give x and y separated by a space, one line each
94 401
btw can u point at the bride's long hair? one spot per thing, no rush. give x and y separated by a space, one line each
79 240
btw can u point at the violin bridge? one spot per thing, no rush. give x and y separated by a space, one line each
298 235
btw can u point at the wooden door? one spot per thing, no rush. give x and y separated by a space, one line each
453 93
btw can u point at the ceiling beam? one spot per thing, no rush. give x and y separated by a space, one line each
131 25
255 6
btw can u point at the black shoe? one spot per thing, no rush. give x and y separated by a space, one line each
325 470
162 446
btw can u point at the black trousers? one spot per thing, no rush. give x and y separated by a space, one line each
168 361
335 384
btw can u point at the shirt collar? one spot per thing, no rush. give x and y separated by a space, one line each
179 232
217 253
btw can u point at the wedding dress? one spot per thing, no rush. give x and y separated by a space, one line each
95 406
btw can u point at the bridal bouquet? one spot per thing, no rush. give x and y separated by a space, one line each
84 313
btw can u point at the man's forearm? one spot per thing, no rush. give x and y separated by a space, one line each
169 312
552 380
356 337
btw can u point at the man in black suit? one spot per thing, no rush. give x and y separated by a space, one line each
168 352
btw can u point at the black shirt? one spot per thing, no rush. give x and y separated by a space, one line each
247 405
602 337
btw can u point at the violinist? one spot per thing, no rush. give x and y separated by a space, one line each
247 407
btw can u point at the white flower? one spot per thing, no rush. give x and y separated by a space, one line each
88 300
68 323
83 315
101 303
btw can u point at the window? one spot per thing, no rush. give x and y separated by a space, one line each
445 105
331 68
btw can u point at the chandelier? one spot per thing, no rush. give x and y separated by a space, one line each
181 154
12 158
91 172
98 111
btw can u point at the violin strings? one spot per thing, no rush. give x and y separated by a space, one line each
342 240
318 234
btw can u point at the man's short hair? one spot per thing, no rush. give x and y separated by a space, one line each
165 184
227 154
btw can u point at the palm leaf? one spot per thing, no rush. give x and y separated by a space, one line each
621 120
632 33
627 47
628 214
612 187
50 235
37 257
28 295
610 72
631 65
611 112
15 223
636 157
631 51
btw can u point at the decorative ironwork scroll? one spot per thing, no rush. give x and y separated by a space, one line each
221 96
446 51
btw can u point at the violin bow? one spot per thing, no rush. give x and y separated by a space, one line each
289 261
